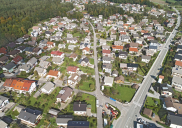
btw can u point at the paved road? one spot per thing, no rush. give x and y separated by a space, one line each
135 106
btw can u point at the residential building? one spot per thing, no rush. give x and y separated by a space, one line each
57 60
133 50
115 73
146 59
80 108
3 50
108 81
3 124
117 48
106 59
62 120
73 79
41 71
48 88
102 42
107 68
57 54
78 124
64 95
20 85
119 79
3 102
3 59
53 74
177 83
73 56
72 69
32 62
9 67
30 116
174 120
168 104
123 55
17 60
86 51
53 112
106 53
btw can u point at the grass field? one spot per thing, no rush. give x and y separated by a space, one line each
159 1
85 85
91 60
120 93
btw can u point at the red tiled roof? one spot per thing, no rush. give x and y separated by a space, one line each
160 76
178 63
8 82
144 31
125 24
86 48
72 68
57 53
150 37
3 50
17 59
27 84
50 43
117 47
122 33
106 51
133 49
131 28
53 73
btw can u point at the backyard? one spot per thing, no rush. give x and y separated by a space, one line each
121 93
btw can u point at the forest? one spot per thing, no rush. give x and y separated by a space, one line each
17 16
101 9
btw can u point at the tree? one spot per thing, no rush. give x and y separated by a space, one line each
35 73
59 104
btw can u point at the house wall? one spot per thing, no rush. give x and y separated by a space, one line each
171 109
80 112
4 103
32 87
175 126
109 84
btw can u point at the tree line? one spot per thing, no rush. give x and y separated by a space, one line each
17 16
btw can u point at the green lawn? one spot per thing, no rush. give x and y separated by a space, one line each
121 93
91 60
87 84
151 101
89 71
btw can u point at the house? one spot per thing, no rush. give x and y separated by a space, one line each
43 43
125 38
3 124
139 40
9 67
105 47
118 43
102 42
85 62
48 88
166 90
20 85
32 43
73 56
51 44
147 112
117 48
80 108
19 41
3 50
107 68
61 46
17 60
108 81
73 79
57 54
43 58
29 50
37 51
57 60
32 62
106 53
72 69
168 104
134 45
30 116
119 79
123 55
11 45
150 52
21 48
25 67
64 95
44 64
174 120
86 51
177 83
133 50
72 40
3 59
146 59
13 53
153 48
41 71
3 102
71 47
129 66
176 71
53 74
106 59
78 124
115 73
112 37
62 120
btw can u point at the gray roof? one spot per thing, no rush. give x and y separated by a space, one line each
152 47
78 106
43 63
53 111
176 70
105 47
38 69
48 86
64 118
67 93
32 61
86 60
123 53
78 124
3 124
108 79
56 59
107 66
29 114
2 99
106 58
177 79
176 119
10 66
44 41
25 67
4 58
146 57
115 72
123 65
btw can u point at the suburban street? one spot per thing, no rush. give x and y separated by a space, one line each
127 121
